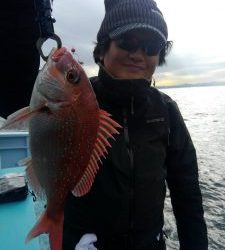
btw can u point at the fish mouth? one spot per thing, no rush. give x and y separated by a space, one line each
63 60
58 54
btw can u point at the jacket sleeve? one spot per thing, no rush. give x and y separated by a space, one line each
182 180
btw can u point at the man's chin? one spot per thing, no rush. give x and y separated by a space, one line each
131 76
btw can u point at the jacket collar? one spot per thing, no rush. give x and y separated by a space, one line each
120 91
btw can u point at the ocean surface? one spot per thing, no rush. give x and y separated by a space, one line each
203 109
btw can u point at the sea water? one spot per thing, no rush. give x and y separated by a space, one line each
203 109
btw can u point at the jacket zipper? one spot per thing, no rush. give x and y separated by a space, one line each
132 106
127 138
131 157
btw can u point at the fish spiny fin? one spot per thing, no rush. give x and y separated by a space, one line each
32 179
107 127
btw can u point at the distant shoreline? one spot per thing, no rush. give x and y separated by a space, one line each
192 85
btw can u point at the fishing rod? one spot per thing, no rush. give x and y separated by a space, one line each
45 21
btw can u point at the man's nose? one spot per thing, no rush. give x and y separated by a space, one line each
137 55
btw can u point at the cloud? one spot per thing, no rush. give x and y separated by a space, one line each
191 68
78 23
197 54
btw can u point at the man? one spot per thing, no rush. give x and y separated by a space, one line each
124 208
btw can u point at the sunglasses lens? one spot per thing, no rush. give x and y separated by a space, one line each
127 44
150 48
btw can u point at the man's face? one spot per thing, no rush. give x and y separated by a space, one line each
124 64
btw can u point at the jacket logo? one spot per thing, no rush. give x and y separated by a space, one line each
160 119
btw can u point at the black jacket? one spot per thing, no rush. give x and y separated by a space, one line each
125 205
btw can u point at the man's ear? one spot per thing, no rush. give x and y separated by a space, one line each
101 57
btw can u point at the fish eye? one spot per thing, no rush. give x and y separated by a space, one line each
72 76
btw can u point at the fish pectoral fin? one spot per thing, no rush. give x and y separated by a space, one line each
107 127
32 179
19 119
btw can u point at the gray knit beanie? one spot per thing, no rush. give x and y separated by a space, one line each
125 15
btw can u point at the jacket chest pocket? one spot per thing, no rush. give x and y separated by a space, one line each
150 147
152 138
155 129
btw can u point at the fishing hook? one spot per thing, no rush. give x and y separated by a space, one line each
41 41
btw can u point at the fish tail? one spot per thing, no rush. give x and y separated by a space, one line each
52 226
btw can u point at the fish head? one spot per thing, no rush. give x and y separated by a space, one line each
62 81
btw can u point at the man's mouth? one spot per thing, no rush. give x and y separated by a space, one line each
135 66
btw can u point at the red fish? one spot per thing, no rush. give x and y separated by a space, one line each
68 136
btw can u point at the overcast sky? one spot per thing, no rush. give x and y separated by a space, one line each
195 26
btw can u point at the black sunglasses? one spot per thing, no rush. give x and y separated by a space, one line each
149 47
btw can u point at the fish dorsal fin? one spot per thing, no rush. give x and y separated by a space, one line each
107 127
